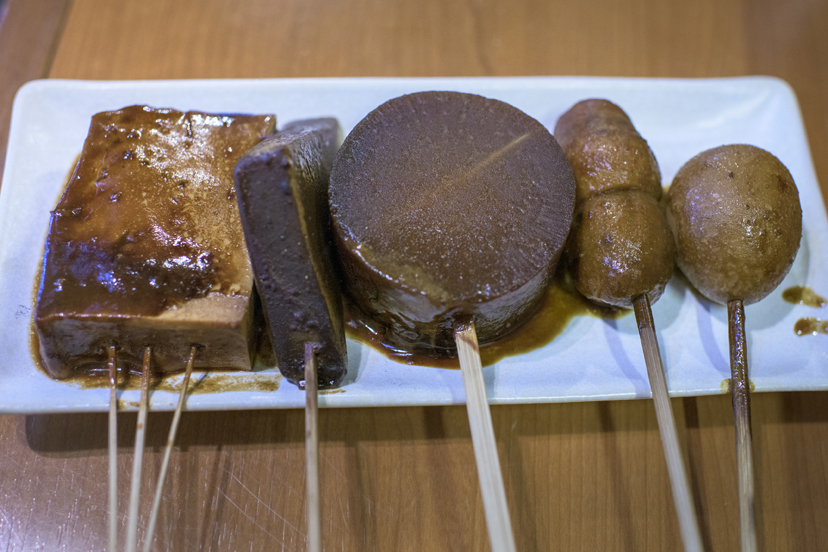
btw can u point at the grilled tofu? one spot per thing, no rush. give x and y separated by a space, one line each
146 248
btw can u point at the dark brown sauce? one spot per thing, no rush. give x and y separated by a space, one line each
224 383
200 382
128 236
802 295
34 342
810 326
561 304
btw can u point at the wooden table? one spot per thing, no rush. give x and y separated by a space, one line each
587 476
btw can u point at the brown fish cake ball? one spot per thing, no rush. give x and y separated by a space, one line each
605 150
734 211
621 248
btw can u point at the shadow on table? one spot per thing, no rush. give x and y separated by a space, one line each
62 434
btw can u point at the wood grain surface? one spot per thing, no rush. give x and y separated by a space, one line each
29 35
581 476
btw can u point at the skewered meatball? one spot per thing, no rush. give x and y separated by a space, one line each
621 248
605 151
735 214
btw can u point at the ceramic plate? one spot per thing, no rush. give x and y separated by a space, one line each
592 359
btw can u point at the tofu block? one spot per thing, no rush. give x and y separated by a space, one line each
282 189
146 248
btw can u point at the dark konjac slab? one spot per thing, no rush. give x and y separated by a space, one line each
145 247
282 187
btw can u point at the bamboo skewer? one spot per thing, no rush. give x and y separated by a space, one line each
113 450
135 487
312 451
483 441
685 509
740 390
156 503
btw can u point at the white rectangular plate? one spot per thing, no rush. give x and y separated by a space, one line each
592 359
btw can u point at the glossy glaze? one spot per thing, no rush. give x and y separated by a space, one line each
621 247
147 225
803 295
605 150
448 205
810 326
735 214
561 303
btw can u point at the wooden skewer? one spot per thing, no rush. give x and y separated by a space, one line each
156 502
314 519
113 450
685 509
740 390
483 441
135 488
